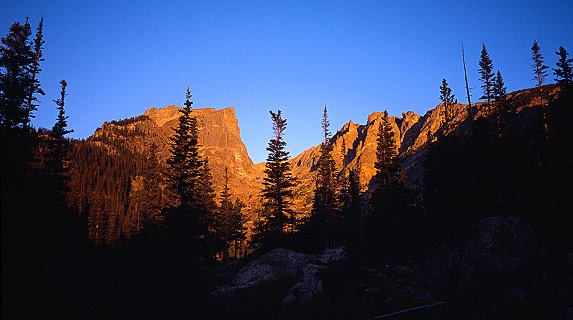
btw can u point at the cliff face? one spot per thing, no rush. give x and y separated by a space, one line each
353 145
219 136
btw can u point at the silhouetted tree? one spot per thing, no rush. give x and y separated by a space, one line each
277 215
230 222
191 207
563 73
324 205
16 57
500 108
349 220
385 164
448 102
486 76
539 69
59 147
34 71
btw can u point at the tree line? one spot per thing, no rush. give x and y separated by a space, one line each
119 195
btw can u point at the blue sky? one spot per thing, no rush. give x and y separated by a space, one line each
120 58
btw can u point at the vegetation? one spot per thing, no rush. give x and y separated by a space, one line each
99 219
277 217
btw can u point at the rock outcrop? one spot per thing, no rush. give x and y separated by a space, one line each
298 274
353 145
219 137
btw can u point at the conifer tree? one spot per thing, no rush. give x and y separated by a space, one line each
350 216
277 192
230 220
563 73
192 199
486 76
539 69
500 109
59 145
34 71
385 154
448 101
387 179
324 203
16 56
152 181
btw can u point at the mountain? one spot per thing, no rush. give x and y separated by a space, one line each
219 137
353 145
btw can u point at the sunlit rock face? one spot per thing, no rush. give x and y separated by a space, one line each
219 137
353 146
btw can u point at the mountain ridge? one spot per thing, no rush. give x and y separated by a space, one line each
221 143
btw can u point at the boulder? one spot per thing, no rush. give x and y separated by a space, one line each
279 266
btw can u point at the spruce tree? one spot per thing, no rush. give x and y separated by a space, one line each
563 73
486 76
387 180
34 70
350 216
152 181
230 222
324 203
16 56
448 102
500 109
277 192
192 199
539 69
385 154
59 145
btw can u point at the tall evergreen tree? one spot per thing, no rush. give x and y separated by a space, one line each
500 108
34 70
51 154
448 101
324 204
16 56
539 69
563 73
230 220
278 183
387 183
486 76
385 154
350 216
192 199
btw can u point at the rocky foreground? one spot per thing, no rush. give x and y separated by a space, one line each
498 271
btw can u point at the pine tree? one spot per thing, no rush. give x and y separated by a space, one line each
350 217
278 186
500 108
387 179
34 71
486 76
230 222
191 209
324 203
385 154
563 73
448 101
16 56
59 144
539 69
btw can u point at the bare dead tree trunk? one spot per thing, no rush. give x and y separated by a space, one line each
470 110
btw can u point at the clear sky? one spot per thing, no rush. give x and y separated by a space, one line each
122 57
